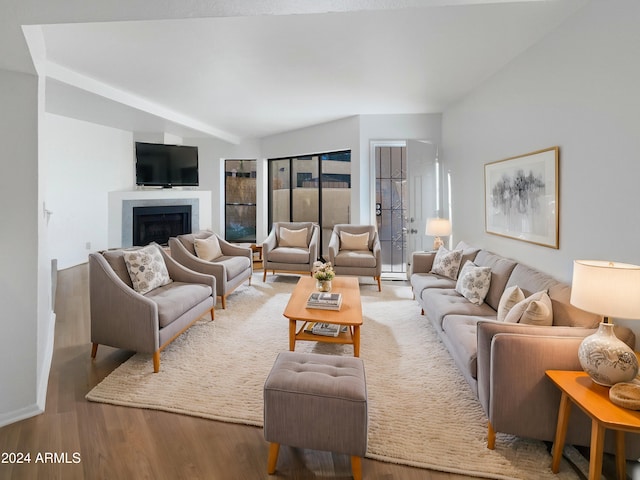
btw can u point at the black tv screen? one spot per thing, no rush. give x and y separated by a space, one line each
160 165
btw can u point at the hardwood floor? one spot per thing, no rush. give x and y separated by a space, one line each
111 442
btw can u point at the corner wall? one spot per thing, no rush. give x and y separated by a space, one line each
578 89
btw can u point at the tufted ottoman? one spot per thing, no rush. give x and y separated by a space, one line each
316 402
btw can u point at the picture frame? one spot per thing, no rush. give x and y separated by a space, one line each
522 197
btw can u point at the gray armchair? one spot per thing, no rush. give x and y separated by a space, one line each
294 253
357 262
146 323
231 269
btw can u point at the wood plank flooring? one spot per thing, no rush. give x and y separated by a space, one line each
121 443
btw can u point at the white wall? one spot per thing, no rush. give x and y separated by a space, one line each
24 299
86 161
578 89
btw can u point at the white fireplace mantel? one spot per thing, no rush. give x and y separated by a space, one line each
121 205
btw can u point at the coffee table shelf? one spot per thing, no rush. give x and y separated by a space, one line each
350 313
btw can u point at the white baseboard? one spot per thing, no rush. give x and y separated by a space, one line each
43 382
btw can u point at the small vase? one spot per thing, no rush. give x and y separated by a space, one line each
323 285
606 358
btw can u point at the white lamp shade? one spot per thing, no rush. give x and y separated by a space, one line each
610 289
438 227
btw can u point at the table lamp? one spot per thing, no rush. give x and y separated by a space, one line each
438 227
610 289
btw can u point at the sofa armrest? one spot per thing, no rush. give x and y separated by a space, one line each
422 262
313 246
269 244
334 247
233 250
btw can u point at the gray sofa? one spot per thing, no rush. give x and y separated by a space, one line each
505 363
146 323
231 269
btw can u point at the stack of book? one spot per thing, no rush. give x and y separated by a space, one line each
322 328
325 301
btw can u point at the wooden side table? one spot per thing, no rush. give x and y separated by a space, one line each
593 399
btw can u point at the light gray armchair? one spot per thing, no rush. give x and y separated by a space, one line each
349 256
290 249
123 318
231 269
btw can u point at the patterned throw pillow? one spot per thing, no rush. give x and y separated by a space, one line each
146 268
534 310
207 248
510 297
473 282
293 238
447 263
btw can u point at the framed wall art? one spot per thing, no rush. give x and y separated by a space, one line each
521 197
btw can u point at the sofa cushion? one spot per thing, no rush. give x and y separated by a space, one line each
510 297
473 282
354 241
447 263
207 248
115 259
289 255
533 310
464 344
188 239
441 302
501 269
293 238
233 265
177 298
469 252
146 268
422 281
355 258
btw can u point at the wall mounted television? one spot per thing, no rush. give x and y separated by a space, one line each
159 165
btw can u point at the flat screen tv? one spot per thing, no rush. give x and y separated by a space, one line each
159 165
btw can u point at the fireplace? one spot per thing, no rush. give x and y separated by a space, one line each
158 223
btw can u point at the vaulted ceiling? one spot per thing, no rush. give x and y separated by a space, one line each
239 76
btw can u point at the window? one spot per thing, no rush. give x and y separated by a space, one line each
314 188
240 201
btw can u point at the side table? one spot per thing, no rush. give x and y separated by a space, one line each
593 399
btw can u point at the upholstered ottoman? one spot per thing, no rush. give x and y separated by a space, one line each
317 402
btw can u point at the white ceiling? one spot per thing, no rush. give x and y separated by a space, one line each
254 76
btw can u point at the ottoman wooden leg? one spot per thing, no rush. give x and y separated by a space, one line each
356 467
274 449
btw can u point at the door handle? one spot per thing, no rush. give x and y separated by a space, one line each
413 230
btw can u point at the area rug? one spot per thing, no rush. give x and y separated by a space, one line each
421 410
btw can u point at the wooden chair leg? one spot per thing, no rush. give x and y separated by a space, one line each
224 302
274 449
156 361
250 280
491 437
356 467
264 275
213 315
379 284
94 350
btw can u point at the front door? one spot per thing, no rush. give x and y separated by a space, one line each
422 194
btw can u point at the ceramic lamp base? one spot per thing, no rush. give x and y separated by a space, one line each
606 358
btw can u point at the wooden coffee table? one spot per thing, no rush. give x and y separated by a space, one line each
350 313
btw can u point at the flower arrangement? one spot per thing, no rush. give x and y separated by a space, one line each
323 272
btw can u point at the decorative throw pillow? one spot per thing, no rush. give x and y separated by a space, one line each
146 268
510 297
293 238
354 241
207 248
473 282
534 310
447 263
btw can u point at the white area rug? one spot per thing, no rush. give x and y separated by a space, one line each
421 410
